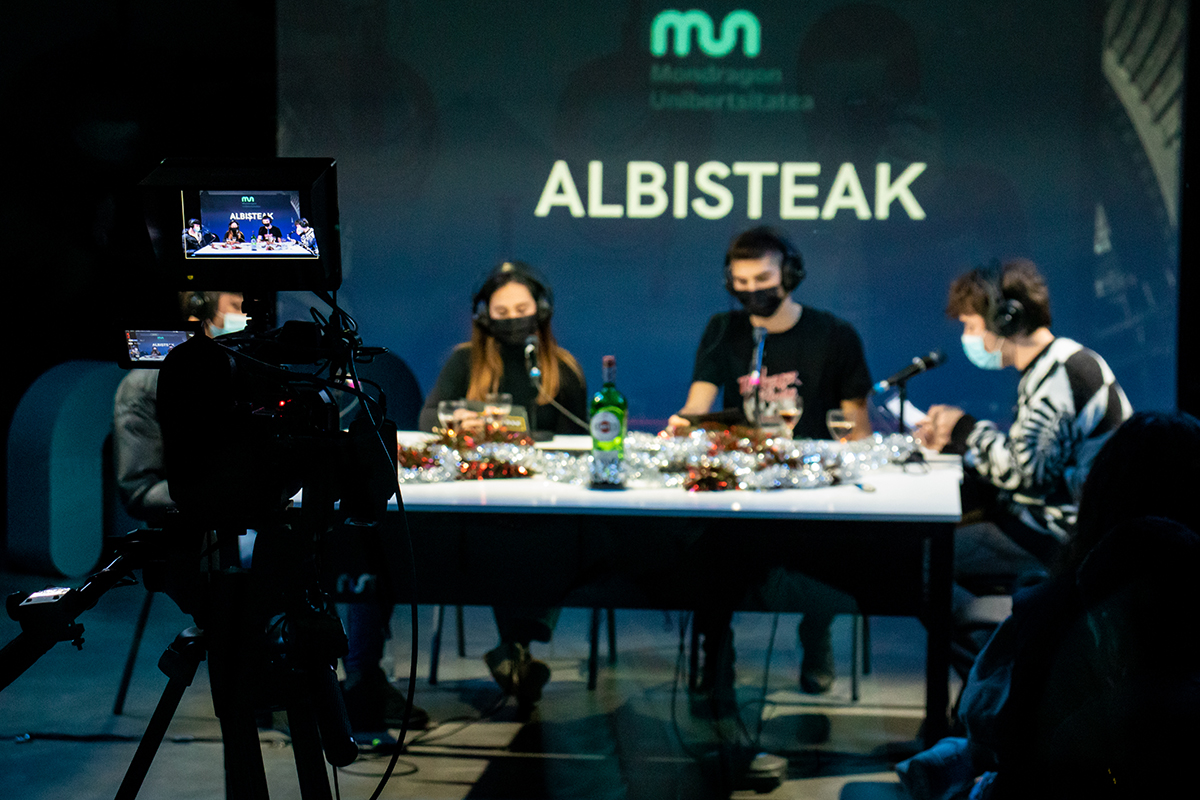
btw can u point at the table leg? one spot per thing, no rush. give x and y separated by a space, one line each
938 589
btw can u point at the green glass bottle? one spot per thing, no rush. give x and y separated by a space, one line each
608 413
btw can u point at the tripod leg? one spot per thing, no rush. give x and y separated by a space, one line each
131 659
179 663
231 671
306 748
245 777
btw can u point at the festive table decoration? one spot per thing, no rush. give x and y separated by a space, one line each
698 460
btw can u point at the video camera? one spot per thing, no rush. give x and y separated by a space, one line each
270 397
247 420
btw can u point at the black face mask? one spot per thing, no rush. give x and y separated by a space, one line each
513 330
760 303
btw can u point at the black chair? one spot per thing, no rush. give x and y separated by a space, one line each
860 653
400 387
435 646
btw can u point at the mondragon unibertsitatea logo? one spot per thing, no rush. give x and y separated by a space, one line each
682 23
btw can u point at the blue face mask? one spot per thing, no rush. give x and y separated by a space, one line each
978 355
233 323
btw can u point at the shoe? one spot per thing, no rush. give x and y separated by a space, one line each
373 704
816 666
517 673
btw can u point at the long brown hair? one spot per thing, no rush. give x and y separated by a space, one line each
486 365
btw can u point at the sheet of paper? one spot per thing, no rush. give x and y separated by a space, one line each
912 414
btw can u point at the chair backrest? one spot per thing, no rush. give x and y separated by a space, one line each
55 474
400 386
116 519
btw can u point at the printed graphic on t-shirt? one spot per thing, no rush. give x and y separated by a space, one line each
772 389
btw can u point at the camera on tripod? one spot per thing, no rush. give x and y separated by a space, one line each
276 399
263 391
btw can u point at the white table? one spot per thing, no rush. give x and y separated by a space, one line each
890 545
889 494
242 249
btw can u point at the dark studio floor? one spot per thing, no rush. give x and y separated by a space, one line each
633 737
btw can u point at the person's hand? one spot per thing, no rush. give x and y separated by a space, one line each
934 431
468 421
675 424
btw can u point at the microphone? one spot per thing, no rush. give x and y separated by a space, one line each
531 362
919 364
760 341
535 377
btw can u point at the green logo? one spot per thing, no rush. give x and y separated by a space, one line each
247 198
682 23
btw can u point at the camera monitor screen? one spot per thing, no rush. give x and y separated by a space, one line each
270 224
250 224
149 348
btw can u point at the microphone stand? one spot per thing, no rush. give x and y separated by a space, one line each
902 388
760 340
535 378
917 457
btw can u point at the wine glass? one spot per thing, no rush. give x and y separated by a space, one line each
497 406
789 410
839 426
447 415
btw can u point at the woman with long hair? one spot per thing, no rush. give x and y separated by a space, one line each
511 311
510 307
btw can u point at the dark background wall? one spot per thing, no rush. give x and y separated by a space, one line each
446 125
94 95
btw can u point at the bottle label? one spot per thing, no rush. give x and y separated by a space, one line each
606 426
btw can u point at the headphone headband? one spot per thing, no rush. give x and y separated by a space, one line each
1005 315
763 240
509 272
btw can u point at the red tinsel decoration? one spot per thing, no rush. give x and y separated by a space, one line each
414 458
485 470
461 440
710 479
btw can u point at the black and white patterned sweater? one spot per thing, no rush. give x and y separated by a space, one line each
1068 404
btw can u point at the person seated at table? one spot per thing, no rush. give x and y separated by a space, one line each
194 237
511 306
1021 488
808 354
372 703
305 236
267 232
1089 689
234 235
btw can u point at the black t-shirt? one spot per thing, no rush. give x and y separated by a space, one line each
820 359
455 377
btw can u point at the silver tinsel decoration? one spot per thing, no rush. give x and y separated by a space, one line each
665 461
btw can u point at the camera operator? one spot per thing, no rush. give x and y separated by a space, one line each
371 701
137 438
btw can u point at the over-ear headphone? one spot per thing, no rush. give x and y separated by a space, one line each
201 305
508 272
1005 315
764 240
